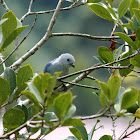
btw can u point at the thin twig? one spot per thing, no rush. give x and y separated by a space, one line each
134 70
4 5
90 77
113 30
125 131
49 11
102 38
113 126
20 127
94 116
79 85
30 6
100 66
126 136
9 102
4 66
17 51
20 42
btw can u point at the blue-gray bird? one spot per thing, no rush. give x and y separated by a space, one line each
62 63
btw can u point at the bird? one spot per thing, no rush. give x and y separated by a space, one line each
61 64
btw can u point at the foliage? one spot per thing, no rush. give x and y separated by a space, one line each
46 107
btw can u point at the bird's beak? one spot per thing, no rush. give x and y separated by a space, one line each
73 65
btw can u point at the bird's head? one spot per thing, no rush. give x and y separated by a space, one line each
67 60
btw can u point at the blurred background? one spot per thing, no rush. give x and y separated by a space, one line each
76 20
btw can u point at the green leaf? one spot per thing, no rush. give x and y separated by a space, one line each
32 97
123 7
121 91
129 97
135 60
137 14
105 89
19 89
71 138
50 116
125 72
128 25
50 101
51 85
62 104
133 108
83 132
133 4
137 44
138 33
114 84
106 137
13 118
10 25
99 59
70 112
121 26
41 83
112 12
93 1
76 133
101 11
139 99
103 100
24 74
72 122
36 93
1 38
118 52
10 76
105 54
125 37
24 109
135 24
3 20
12 37
4 90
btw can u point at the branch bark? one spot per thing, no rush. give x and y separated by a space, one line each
102 38
49 11
42 41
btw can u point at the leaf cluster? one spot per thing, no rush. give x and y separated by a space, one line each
45 110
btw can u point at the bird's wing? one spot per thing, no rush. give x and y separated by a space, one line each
46 67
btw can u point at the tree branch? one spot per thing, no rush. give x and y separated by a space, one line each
100 66
125 131
4 5
20 127
79 85
85 72
102 38
126 136
30 6
42 41
49 11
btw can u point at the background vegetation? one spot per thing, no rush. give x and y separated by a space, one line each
80 19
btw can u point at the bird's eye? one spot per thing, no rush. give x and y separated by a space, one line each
68 60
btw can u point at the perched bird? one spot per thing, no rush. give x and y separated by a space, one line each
62 63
